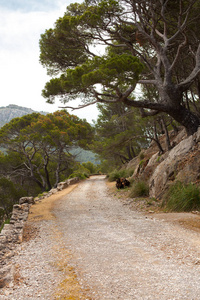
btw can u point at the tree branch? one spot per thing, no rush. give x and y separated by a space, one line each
80 106
184 85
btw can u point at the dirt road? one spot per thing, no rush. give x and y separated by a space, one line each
97 248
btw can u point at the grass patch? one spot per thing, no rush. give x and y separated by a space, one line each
182 197
139 189
115 174
5 222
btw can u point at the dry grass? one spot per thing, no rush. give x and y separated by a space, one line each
43 210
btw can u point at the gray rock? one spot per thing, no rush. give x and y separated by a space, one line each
29 200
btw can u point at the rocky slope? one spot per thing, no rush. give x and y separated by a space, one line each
181 163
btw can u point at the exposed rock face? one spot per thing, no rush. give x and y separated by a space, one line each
167 169
182 163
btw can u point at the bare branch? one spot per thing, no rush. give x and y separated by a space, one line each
80 106
147 81
145 114
189 80
178 52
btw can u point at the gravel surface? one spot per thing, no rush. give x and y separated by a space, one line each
97 248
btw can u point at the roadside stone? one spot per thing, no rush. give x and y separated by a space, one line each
29 200
6 275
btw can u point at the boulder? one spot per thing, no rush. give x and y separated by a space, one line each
62 185
168 168
29 200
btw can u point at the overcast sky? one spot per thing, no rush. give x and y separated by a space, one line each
22 77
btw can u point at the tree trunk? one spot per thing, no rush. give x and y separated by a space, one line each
47 177
188 119
167 139
156 139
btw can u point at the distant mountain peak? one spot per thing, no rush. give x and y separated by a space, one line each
7 113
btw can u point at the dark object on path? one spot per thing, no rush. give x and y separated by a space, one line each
122 182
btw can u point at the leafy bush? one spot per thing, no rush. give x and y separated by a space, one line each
139 189
9 195
90 166
130 172
181 197
141 156
117 174
79 174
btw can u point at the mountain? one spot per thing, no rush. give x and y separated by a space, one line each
12 111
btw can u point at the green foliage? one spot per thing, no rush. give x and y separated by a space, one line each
7 221
130 52
90 166
119 135
107 71
9 195
38 146
80 171
141 162
65 49
182 197
117 174
139 189
79 174
141 156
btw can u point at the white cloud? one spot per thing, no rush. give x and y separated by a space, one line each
22 77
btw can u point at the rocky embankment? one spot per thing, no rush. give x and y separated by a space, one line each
181 163
12 234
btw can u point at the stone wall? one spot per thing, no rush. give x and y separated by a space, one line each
12 234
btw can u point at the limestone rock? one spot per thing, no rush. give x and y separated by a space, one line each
29 200
167 169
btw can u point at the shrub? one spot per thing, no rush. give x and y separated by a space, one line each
10 194
130 172
79 174
182 197
90 166
141 156
139 189
117 174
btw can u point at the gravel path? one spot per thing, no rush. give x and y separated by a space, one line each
97 248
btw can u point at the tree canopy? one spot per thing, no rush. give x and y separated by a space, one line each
100 51
119 133
41 144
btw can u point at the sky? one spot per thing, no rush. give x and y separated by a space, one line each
22 77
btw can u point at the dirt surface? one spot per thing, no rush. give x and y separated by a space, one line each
87 244
152 207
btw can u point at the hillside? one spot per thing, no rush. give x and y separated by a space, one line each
180 164
12 111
